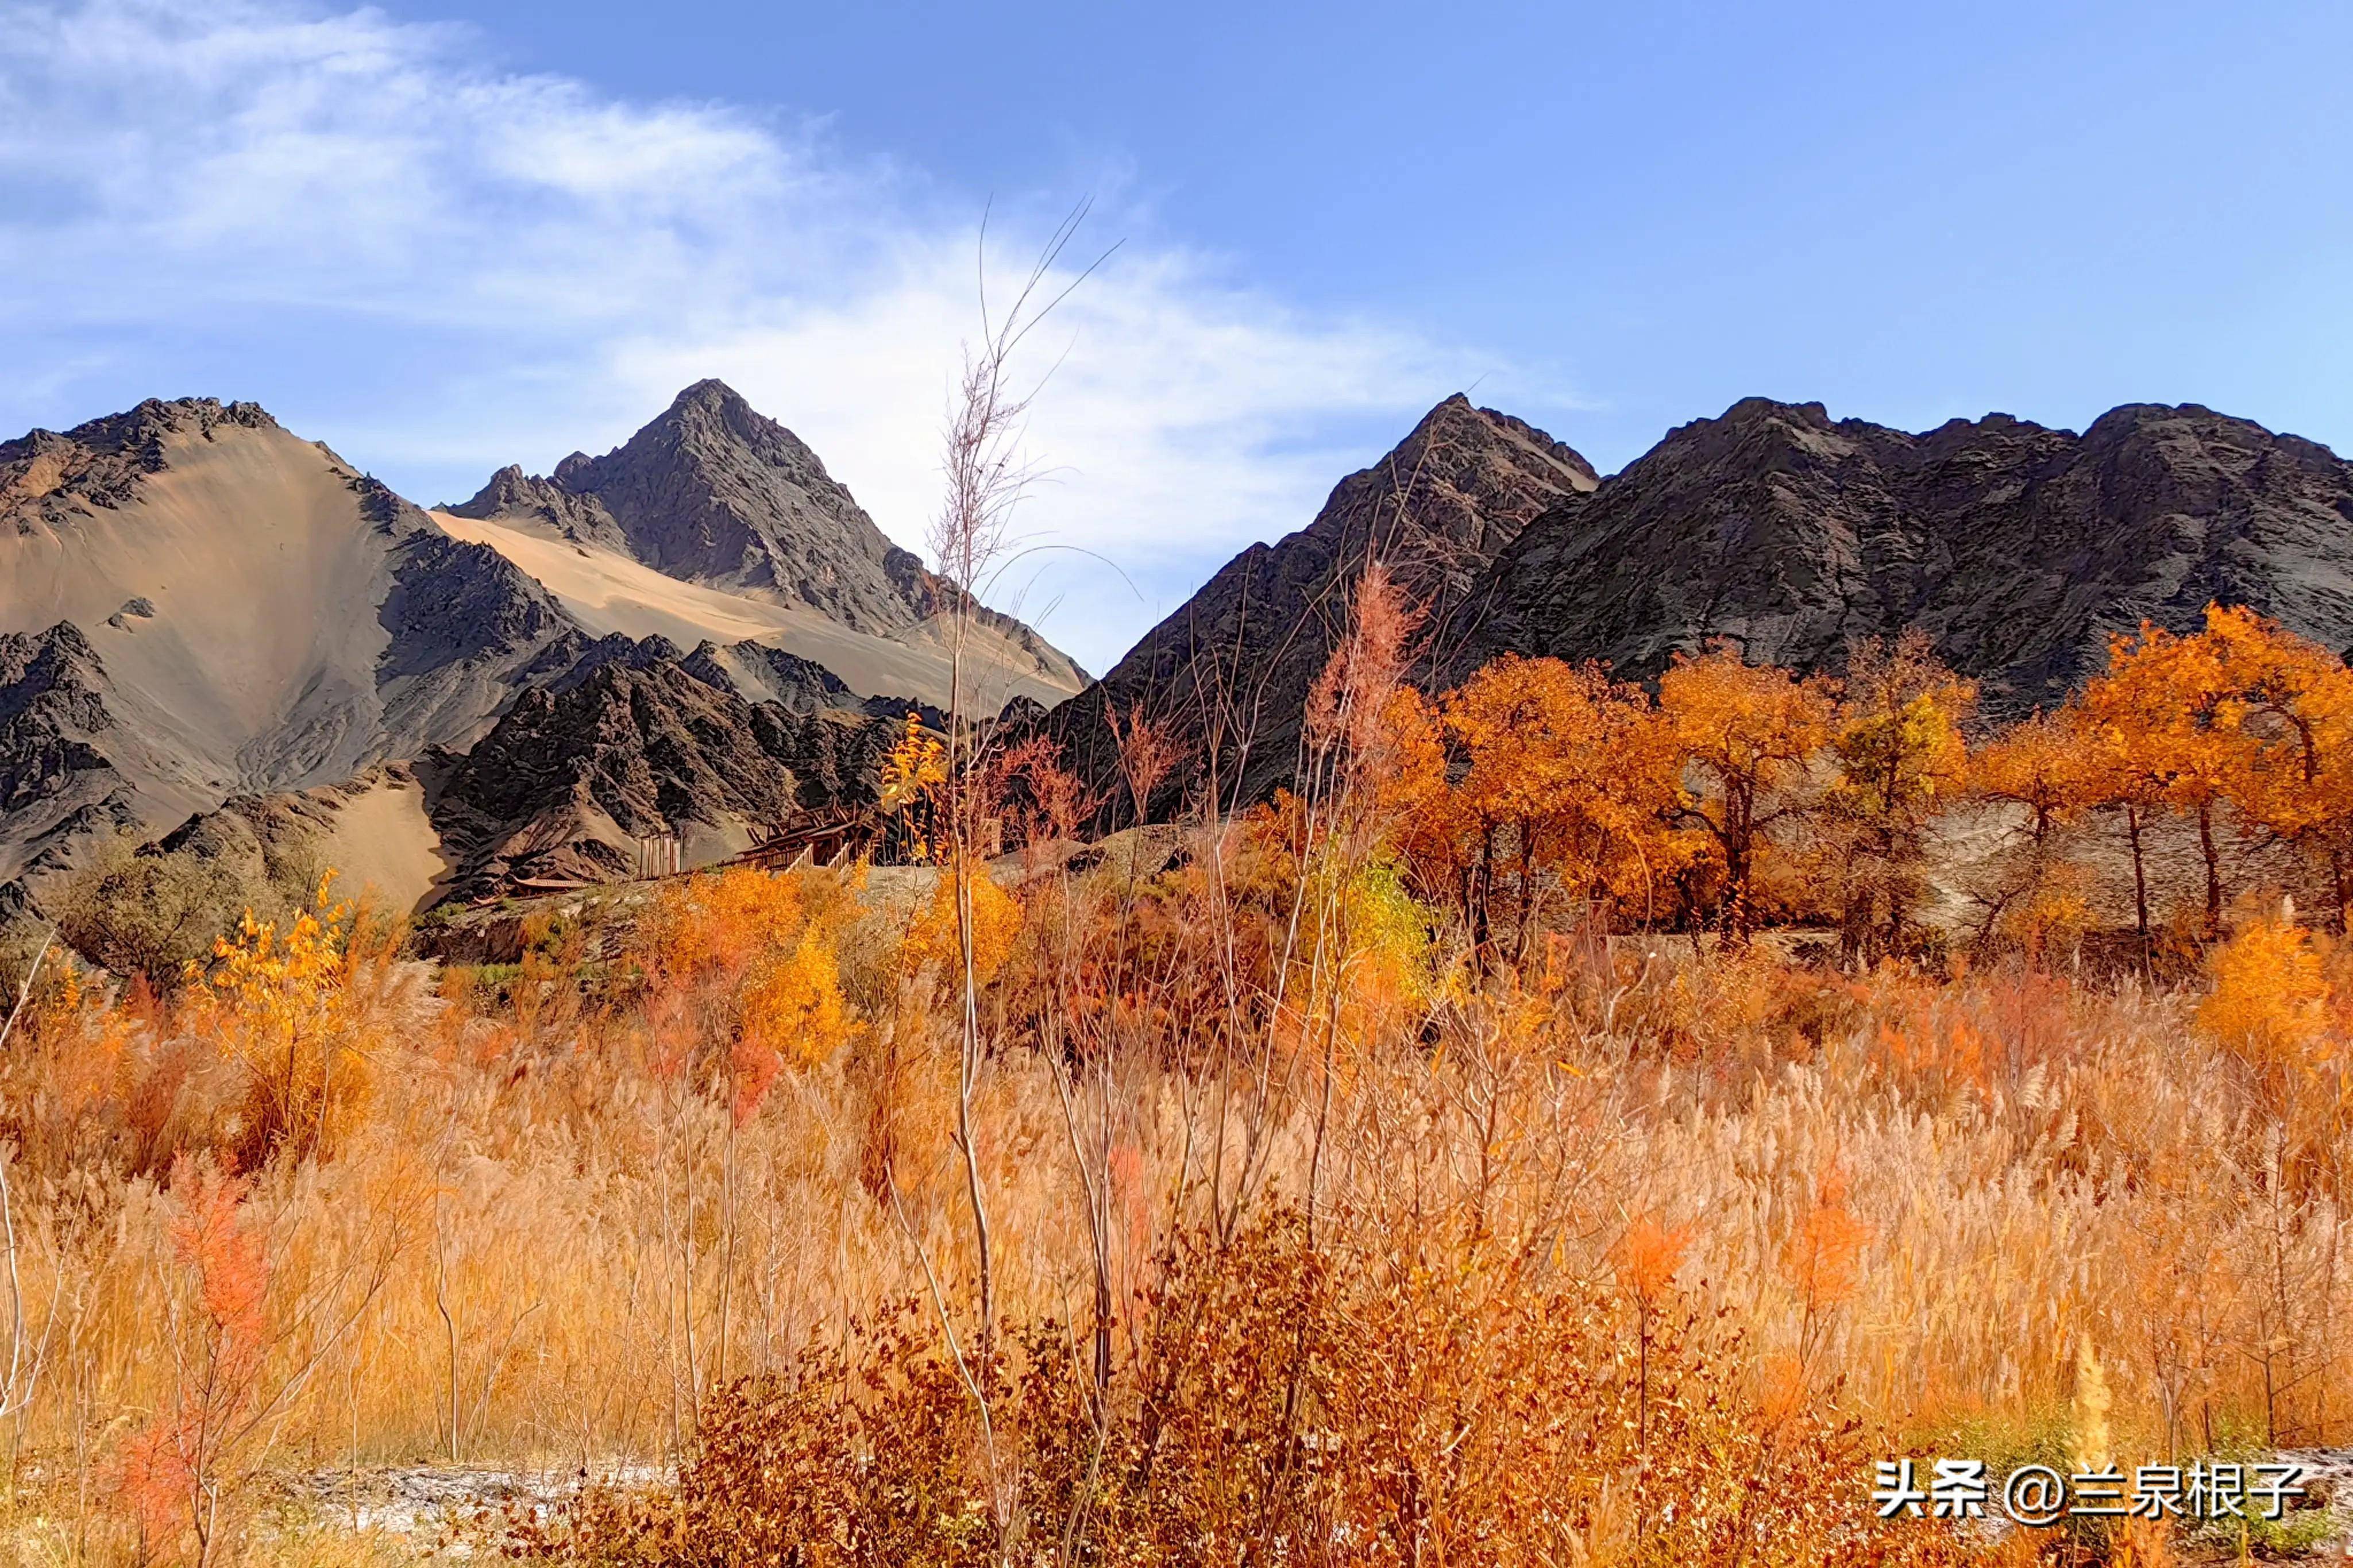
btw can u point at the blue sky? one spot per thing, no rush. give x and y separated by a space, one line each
442 237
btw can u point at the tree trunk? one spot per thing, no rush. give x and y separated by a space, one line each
2140 872
1736 868
1482 881
1527 895
2213 868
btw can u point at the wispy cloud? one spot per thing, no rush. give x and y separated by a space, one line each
441 268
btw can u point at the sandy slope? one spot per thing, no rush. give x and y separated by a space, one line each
608 592
382 840
259 663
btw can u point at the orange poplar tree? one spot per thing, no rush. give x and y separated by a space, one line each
1532 773
1901 761
2043 766
2294 720
2171 729
1746 734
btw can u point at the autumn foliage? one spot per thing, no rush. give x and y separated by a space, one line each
1583 1122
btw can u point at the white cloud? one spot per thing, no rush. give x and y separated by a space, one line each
472 267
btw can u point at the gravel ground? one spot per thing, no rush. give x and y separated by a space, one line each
417 1506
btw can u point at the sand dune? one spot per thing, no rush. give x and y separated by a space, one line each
608 592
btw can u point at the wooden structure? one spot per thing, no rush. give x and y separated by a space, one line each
828 837
660 855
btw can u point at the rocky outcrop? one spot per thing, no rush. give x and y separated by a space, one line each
514 495
59 784
766 674
53 714
1230 670
760 672
569 779
716 492
452 604
2018 548
371 830
50 478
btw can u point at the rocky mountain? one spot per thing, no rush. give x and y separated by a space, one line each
201 603
568 780
205 619
712 492
1230 670
199 607
2016 547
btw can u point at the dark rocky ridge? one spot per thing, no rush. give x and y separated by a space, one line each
52 713
452 602
765 674
1237 660
511 493
568 777
762 672
58 779
2016 547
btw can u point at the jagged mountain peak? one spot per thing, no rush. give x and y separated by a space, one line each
715 493
1240 655
712 491
1456 417
714 396
712 421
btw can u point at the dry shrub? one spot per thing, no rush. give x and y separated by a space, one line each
1281 1402
748 961
153 914
171 1469
933 951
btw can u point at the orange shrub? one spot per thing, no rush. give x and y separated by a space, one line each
934 939
2270 995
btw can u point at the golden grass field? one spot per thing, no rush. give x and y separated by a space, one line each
517 1224
1258 1202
